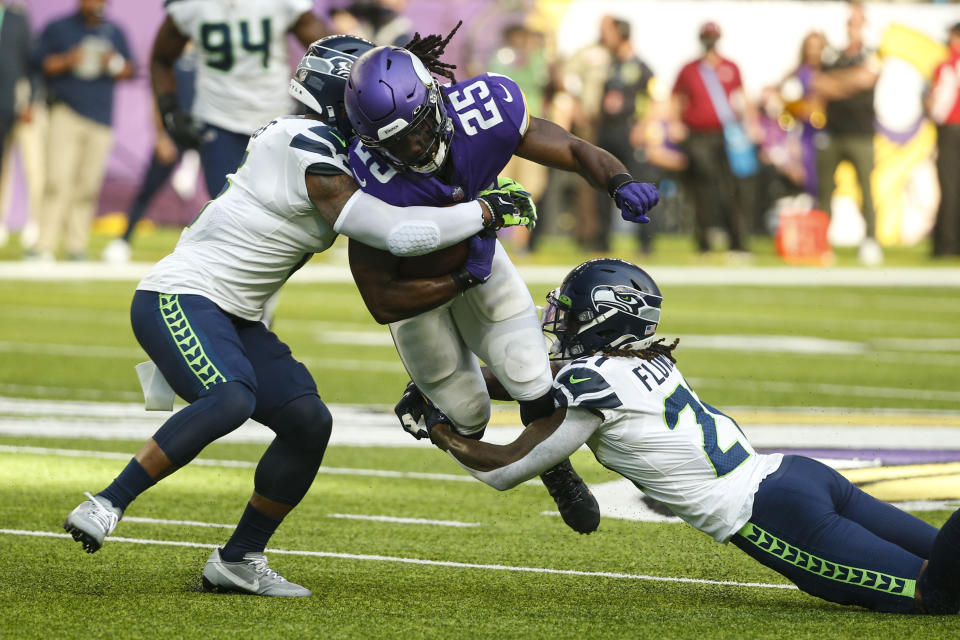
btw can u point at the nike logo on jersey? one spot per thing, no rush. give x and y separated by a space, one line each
509 97
576 380
360 181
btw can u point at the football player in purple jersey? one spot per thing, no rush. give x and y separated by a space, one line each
420 142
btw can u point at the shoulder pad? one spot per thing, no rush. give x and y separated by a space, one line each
580 385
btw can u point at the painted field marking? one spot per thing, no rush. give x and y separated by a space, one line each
181 523
424 562
392 519
244 464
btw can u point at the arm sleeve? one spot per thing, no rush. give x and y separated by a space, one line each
577 426
407 231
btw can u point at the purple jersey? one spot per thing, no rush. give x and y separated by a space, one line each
489 117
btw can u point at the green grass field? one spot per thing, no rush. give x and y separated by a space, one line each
860 348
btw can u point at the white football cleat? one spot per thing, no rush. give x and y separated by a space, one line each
92 521
251 575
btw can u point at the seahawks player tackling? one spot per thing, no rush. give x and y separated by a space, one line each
624 397
198 313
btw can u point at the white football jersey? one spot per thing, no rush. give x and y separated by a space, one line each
244 244
242 70
676 448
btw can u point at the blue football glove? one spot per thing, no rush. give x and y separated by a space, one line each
476 270
635 199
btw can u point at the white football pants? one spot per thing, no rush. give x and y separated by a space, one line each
496 321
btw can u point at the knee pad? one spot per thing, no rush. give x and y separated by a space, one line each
470 415
305 423
233 401
525 363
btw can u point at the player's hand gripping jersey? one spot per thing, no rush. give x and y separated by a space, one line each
489 115
659 434
236 42
244 244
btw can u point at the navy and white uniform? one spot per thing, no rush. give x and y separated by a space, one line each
197 312
242 73
497 321
644 421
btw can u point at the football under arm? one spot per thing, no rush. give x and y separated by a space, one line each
542 445
390 297
407 231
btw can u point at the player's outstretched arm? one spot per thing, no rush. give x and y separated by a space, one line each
543 444
550 144
405 231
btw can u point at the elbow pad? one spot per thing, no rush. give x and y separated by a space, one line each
413 238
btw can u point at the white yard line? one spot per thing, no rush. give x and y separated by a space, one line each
664 275
395 520
179 523
424 562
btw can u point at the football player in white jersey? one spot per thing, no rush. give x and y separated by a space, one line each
624 397
197 312
242 73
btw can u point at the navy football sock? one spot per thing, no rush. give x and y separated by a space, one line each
131 482
940 582
251 535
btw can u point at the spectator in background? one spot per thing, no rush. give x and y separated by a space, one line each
708 96
81 56
164 159
626 99
806 106
847 85
14 74
523 59
14 66
382 22
943 104
583 75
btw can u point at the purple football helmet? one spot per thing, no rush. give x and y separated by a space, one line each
396 108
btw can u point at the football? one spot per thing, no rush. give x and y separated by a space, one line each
438 263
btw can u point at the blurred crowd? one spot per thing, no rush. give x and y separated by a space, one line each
729 167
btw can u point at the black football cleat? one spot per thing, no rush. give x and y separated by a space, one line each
575 502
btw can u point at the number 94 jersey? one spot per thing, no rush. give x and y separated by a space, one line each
489 115
242 70
658 433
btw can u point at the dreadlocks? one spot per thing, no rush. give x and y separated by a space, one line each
430 48
650 352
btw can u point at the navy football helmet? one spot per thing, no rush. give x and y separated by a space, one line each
603 304
396 108
321 77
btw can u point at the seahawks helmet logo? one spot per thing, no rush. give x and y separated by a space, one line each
625 299
341 66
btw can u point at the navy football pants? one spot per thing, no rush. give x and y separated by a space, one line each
835 541
230 370
220 153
